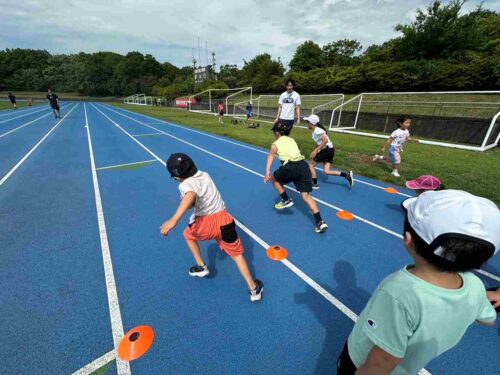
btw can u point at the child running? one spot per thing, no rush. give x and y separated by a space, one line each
424 183
249 113
293 169
323 153
12 99
423 310
220 111
54 103
209 221
396 140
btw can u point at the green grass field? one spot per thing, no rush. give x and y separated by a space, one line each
476 172
6 105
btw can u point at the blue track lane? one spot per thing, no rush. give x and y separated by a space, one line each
349 260
53 300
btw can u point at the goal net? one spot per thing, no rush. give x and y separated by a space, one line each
265 107
207 101
462 119
139 99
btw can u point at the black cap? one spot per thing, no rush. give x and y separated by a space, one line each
180 165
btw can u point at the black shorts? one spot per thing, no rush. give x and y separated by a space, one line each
345 366
325 156
287 123
12 101
297 172
55 107
221 113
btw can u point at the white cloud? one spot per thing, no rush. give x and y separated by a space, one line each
235 30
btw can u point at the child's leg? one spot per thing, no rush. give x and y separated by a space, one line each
242 265
313 164
311 203
329 172
195 251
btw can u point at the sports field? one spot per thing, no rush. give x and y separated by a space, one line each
82 199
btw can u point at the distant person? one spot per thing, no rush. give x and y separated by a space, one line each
424 183
209 221
396 141
12 99
289 106
294 169
220 111
249 113
423 310
54 103
323 153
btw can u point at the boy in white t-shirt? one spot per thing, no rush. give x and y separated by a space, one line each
209 221
423 310
396 140
289 106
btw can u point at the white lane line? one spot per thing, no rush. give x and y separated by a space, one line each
261 175
27 114
123 367
146 135
96 364
302 275
22 126
245 146
14 111
375 225
14 168
126 164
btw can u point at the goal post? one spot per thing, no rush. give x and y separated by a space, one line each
139 99
468 120
206 101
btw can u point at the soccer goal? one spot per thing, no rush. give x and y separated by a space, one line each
207 101
139 99
467 120
265 107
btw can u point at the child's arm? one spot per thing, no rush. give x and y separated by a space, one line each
387 143
378 362
270 158
324 141
494 297
187 202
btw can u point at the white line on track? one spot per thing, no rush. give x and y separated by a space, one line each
14 168
260 175
96 364
308 280
26 124
146 135
13 111
375 225
248 147
123 367
126 164
27 114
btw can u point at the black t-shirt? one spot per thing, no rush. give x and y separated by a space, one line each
12 98
52 98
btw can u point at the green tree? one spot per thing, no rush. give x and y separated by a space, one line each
262 72
307 56
340 52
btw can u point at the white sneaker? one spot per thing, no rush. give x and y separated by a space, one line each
395 173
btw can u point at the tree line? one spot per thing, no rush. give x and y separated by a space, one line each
442 49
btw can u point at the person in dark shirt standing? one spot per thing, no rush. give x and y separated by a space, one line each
12 99
54 103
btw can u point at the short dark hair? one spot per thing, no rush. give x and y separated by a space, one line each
401 119
290 80
467 253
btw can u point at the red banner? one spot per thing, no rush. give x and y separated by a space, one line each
183 102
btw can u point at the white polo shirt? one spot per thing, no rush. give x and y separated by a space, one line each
288 103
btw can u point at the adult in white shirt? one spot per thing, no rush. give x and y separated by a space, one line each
289 106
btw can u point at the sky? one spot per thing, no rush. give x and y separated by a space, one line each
235 30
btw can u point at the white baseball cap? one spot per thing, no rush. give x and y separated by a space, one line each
436 215
313 119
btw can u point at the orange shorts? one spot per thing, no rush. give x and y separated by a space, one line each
219 227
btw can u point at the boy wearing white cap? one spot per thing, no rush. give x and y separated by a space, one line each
423 310
323 153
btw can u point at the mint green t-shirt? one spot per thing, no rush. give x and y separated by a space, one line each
411 319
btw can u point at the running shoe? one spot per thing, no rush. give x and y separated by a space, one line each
256 294
320 227
199 271
283 204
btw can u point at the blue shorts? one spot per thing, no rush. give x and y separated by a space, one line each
394 155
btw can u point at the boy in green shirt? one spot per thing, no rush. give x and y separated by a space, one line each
294 169
423 310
